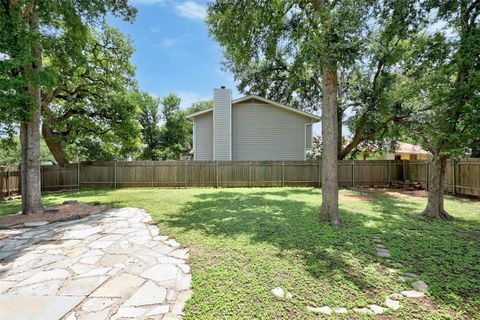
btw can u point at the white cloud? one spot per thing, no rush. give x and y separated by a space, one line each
170 42
191 10
155 29
189 97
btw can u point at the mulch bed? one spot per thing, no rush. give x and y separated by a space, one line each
69 210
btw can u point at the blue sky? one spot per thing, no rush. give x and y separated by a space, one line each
174 53
173 50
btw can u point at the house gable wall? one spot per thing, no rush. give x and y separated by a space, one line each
261 131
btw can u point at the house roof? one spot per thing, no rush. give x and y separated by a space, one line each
403 147
274 103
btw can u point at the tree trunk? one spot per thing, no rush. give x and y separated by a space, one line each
340 134
30 133
54 145
329 209
435 207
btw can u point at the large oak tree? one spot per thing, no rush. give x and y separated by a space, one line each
338 54
29 30
441 88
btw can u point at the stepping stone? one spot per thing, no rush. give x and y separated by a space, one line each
412 294
97 304
23 307
180 254
340 310
164 274
392 304
180 302
396 296
377 240
278 292
406 279
383 253
420 286
397 265
184 267
95 272
148 294
377 309
129 312
409 274
159 310
381 246
47 288
184 281
121 286
363 310
323 310
57 274
81 233
33 224
81 286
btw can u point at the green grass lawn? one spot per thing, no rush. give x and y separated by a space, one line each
244 242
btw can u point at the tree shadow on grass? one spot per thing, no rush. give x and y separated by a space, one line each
286 219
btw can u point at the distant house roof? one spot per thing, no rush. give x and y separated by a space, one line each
274 103
403 147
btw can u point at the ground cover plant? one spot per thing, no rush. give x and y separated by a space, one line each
245 242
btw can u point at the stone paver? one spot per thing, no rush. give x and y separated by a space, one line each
412 294
112 265
324 310
420 286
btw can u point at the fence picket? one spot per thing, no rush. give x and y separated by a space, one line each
464 177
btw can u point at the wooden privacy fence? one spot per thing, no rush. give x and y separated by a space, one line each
463 178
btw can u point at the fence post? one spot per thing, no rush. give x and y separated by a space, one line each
388 172
185 174
283 173
8 182
319 174
353 173
152 172
216 174
78 175
115 174
453 178
250 174
41 178
427 174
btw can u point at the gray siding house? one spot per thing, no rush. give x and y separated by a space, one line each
250 128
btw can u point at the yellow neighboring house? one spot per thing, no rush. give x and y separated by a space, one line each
407 151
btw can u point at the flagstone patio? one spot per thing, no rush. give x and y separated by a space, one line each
110 265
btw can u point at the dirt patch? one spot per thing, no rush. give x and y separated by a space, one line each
354 197
69 210
397 193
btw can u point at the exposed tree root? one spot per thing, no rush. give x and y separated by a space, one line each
441 214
